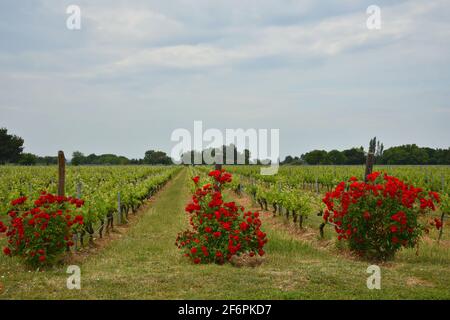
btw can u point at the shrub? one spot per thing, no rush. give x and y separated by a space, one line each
220 230
379 217
40 231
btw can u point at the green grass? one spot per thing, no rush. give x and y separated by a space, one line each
145 264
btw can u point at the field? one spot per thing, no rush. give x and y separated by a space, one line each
138 258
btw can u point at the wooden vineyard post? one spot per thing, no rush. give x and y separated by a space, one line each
79 190
321 231
370 158
81 235
442 226
317 185
62 178
443 213
61 173
119 209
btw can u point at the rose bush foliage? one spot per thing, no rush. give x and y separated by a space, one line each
379 217
40 231
219 230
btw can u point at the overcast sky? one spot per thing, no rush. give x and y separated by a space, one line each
137 70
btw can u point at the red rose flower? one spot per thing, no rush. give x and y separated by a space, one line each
438 223
3 228
208 230
196 179
243 226
6 251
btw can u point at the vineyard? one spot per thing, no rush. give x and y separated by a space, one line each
108 193
297 192
302 257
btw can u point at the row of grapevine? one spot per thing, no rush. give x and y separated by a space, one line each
433 178
296 192
107 192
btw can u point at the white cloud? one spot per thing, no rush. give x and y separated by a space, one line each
180 56
325 38
127 25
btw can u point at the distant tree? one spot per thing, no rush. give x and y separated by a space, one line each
47 160
297 161
406 154
238 157
27 159
290 160
434 155
189 157
123 160
50 160
379 150
247 156
90 159
107 159
78 158
193 156
136 161
156 157
287 160
443 156
316 157
355 156
336 157
11 146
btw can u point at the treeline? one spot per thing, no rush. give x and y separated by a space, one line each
151 157
409 154
198 157
11 151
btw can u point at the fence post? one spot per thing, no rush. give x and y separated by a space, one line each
370 158
61 173
79 190
75 242
75 235
119 209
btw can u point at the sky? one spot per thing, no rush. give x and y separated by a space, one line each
138 70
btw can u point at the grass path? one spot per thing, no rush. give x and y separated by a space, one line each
145 264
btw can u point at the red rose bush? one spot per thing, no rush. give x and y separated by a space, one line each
219 230
40 231
379 217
